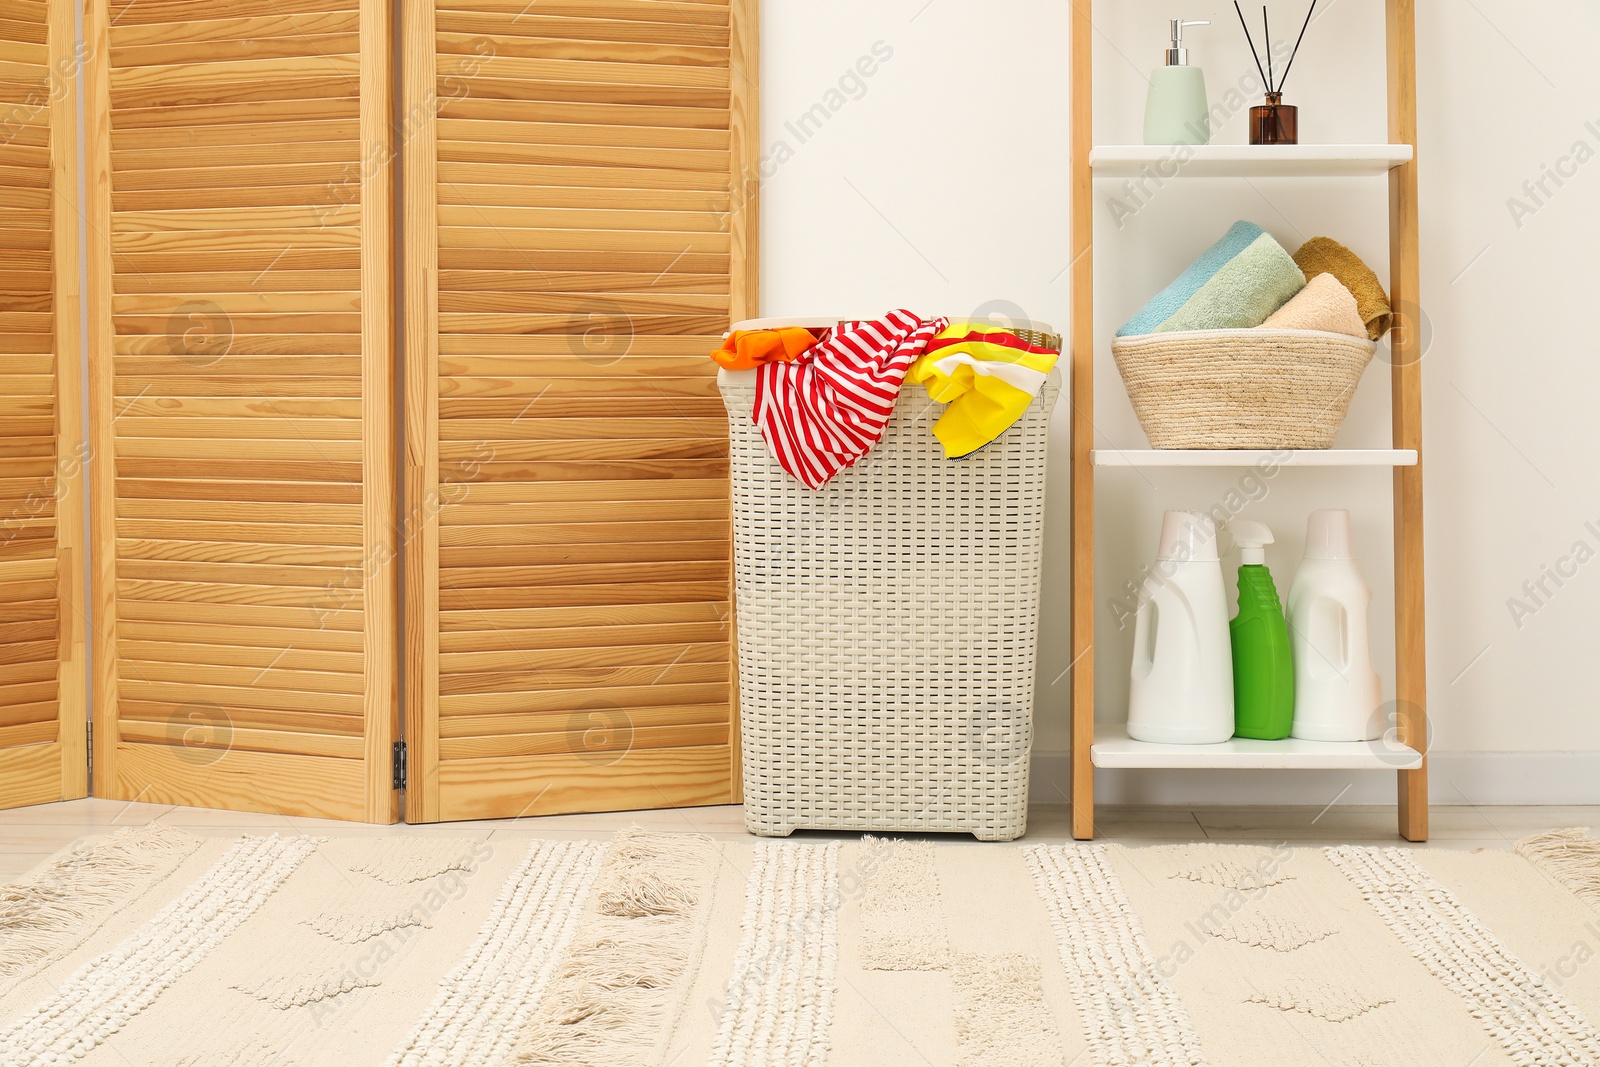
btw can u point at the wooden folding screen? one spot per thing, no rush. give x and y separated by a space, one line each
240 180
43 753
580 226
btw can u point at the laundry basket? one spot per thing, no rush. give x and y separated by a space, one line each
887 626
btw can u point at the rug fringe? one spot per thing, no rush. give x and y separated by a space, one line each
39 915
1570 856
653 874
902 910
612 996
1001 1014
499 980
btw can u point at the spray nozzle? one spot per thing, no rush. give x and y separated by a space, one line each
1252 539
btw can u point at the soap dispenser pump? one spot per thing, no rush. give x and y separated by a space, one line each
1175 112
1263 665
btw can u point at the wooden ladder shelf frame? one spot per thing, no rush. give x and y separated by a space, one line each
1406 388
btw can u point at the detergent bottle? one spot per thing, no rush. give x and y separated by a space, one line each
1337 694
1182 686
1263 671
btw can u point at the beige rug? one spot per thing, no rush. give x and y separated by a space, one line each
154 947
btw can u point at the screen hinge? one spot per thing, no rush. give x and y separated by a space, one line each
399 764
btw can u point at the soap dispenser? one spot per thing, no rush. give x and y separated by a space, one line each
1175 112
1263 670
1181 692
1337 694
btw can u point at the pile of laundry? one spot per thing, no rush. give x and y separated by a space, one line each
824 398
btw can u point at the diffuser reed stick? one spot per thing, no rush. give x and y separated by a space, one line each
1296 51
1252 41
1266 36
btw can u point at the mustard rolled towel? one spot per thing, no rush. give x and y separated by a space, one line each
1324 255
1324 304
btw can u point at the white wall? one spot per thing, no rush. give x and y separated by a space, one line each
939 182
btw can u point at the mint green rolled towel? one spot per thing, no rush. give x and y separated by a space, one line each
1166 303
1243 293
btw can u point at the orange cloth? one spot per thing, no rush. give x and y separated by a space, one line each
748 349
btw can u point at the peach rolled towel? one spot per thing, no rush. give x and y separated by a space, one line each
1324 255
1324 304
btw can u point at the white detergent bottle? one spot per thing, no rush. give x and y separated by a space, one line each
1182 688
1337 694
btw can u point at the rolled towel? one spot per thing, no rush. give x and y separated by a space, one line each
1166 303
1244 293
1324 304
1324 255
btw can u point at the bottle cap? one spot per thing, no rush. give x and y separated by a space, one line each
1188 537
1328 535
1252 539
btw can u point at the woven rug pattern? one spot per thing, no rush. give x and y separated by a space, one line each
152 947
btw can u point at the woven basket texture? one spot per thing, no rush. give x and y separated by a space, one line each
887 628
1242 388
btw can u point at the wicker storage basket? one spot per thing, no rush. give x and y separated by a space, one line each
1241 388
887 627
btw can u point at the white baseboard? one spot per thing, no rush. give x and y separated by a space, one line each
1489 778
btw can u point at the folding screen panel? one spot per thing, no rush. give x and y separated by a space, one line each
580 228
43 753
240 185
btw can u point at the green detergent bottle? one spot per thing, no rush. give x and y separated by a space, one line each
1263 670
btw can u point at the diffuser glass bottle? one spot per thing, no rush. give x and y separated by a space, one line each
1274 122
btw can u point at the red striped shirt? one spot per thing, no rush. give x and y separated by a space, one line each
825 410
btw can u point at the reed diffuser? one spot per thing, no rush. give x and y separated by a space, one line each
1274 122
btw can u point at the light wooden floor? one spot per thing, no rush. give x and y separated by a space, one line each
28 836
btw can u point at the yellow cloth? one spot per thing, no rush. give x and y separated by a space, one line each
988 376
748 349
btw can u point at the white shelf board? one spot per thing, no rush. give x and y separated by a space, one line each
1114 748
1254 457
1248 161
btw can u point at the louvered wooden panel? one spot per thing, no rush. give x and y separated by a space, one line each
43 754
241 171
575 249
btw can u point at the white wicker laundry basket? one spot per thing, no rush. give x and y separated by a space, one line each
887 627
